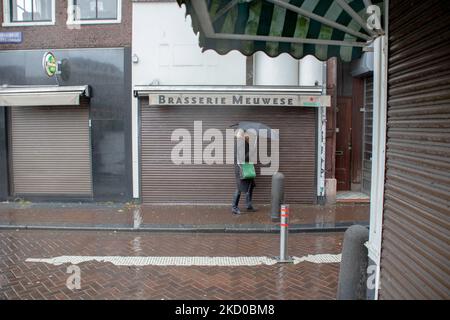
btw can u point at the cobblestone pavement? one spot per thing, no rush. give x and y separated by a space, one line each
100 280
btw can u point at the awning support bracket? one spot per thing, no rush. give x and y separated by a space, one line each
208 29
224 10
344 5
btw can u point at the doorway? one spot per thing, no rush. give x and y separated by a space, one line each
343 143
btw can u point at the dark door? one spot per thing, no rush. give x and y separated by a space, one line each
343 142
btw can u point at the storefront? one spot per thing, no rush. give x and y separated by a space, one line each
60 139
164 109
49 141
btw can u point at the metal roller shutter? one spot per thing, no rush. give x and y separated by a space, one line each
367 135
51 151
164 182
415 257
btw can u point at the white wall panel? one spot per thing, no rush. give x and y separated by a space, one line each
168 50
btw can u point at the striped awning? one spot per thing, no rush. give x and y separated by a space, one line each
323 28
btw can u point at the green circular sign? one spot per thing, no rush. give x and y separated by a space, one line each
50 64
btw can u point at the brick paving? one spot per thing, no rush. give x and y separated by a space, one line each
123 215
25 280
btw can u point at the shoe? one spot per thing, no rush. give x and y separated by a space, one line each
248 199
234 207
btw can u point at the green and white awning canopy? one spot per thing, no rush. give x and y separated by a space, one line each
323 28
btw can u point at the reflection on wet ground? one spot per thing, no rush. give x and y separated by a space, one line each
137 217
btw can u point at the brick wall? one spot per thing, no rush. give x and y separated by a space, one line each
59 36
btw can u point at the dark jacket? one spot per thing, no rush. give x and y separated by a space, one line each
243 185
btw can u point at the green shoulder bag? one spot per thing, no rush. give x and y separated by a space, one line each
248 171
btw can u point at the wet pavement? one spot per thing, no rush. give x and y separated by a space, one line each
175 218
20 279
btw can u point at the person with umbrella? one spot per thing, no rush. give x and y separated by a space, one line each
243 184
244 170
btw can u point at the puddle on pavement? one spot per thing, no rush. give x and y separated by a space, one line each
146 216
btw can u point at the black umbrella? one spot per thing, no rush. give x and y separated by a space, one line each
247 125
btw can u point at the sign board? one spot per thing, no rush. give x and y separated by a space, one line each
11 37
50 64
229 99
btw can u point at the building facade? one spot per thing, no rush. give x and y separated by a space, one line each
113 146
78 152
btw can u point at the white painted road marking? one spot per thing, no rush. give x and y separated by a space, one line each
185 261
319 258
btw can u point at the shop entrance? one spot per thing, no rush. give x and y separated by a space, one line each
164 182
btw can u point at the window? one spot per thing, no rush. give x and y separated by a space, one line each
95 11
28 12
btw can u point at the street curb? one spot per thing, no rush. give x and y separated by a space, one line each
187 229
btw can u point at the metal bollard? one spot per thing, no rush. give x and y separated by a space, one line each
277 195
284 231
